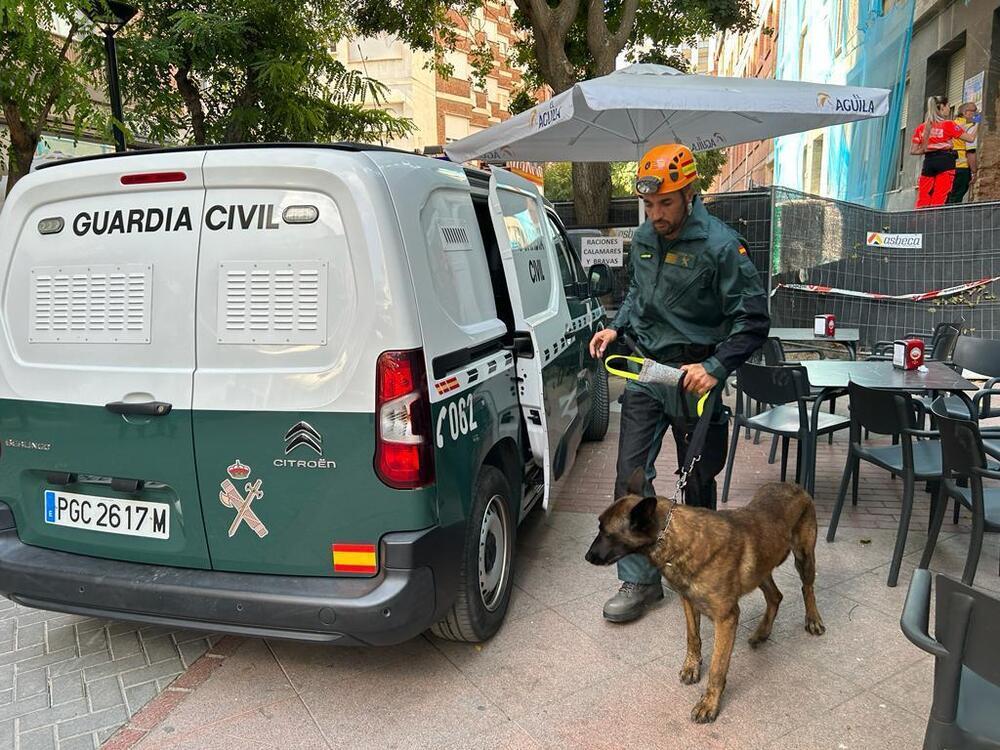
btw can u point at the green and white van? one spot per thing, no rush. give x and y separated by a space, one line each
287 391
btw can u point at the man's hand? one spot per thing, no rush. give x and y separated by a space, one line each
697 380
601 341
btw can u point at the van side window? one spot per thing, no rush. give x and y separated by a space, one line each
457 258
523 216
566 257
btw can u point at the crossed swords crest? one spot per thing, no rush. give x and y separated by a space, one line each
231 498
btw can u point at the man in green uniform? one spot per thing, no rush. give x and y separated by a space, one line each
695 302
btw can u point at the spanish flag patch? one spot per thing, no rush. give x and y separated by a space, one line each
354 558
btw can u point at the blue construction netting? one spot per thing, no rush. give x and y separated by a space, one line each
872 152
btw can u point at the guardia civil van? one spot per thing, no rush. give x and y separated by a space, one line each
287 391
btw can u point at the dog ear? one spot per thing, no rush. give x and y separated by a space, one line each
637 482
642 517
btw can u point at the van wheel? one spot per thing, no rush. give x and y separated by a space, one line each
486 579
597 421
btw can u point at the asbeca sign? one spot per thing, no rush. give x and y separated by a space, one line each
606 250
881 239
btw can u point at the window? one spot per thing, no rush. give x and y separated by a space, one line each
455 127
569 267
816 166
523 217
460 64
956 78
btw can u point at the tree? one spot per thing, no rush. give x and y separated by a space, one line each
559 176
233 71
568 41
43 77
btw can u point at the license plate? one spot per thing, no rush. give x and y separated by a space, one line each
108 514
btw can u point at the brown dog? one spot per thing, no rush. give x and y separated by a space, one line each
712 559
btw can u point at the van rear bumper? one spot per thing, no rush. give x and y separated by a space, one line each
414 589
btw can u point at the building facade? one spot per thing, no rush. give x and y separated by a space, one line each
954 51
846 42
445 109
749 55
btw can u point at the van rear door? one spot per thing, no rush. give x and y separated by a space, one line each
549 372
301 286
99 260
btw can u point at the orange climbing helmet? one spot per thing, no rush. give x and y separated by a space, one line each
666 169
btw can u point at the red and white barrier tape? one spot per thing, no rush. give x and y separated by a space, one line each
915 297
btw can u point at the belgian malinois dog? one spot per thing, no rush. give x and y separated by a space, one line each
712 559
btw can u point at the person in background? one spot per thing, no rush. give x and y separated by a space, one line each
934 138
965 165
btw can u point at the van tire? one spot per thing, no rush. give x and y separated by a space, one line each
600 411
470 619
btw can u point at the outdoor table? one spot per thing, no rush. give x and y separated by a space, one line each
846 337
832 376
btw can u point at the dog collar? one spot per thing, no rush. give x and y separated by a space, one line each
666 524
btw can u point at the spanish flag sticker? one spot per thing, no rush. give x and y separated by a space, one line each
354 558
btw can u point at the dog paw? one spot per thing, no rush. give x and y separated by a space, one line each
691 673
815 626
758 638
705 711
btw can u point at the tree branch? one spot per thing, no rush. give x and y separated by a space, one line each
192 100
43 114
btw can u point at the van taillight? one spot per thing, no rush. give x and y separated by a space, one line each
151 178
404 457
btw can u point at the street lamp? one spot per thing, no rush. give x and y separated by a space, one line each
112 17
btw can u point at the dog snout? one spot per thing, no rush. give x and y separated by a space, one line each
597 555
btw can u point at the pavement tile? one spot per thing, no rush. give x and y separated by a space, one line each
206 737
862 723
423 707
30 683
769 691
533 661
630 712
60 637
507 736
52 715
912 688
91 722
659 632
560 574
38 739
861 643
286 724
80 742
249 678
104 693
66 688
311 668
138 696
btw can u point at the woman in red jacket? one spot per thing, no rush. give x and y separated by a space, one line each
933 138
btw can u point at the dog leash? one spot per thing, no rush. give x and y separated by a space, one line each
652 371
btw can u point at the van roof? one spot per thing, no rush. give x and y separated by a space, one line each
343 146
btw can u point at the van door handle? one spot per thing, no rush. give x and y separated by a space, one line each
142 408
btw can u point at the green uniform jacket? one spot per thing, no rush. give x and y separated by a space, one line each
694 295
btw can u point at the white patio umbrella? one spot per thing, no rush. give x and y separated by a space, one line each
618 117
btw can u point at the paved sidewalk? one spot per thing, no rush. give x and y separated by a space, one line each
558 676
69 682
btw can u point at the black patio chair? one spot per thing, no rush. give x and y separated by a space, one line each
940 343
775 354
966 661
888 413
787 389
964 458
